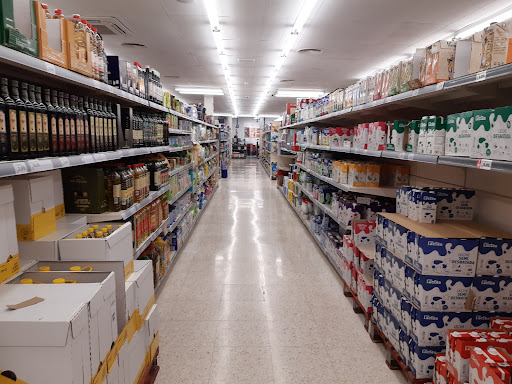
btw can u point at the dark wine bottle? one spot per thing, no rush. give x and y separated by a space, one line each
21 120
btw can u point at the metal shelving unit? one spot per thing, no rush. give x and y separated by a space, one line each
179 132
50 73
206 160
20 167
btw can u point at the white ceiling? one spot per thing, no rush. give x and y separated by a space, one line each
355 36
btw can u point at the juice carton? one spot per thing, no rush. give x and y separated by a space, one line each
377 93
398 136
357 175
394 80
395 175
422 137
436 134
459 129
372 175
482 143
413 137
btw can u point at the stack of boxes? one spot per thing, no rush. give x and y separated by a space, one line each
433 277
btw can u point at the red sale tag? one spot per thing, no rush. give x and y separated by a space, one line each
484 164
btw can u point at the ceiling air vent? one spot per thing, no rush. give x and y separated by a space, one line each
108 25
310 51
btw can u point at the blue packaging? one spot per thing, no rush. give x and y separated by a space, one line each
392 299
397 272
441 293
455 204
492 293
494 257
410 273
430 328
406 319
404 346
423 358
380 230
482 320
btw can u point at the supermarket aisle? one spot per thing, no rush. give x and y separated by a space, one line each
252 300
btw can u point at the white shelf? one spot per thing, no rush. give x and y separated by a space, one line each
179 195
21 167
376 191
206 141
49 72
179 132
178 170
123 215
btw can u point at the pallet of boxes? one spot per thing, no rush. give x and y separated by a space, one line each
438 273
72 310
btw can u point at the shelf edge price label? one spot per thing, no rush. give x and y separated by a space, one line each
440 86
100 157
40 165
20 168
87 159
65 162
50 68
481 76
484 164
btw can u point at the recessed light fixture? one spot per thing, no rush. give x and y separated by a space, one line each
286 81
136 45
300 93
171 77
310 51
200 91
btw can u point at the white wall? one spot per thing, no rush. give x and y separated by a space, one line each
245 122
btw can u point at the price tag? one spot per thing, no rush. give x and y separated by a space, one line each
484 164
415 92
346 144
439 86
99 157
87 159
50 68
40 165
364 200
64 161
20 168
481 76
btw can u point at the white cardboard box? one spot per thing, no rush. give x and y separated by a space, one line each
53 333
132 357
34 206
131 303
142 277
8 237
58 192
117 246
47 247
101 307
151 325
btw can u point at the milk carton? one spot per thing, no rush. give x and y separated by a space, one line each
492 293
382 226
377 136
482 147
423 360
482 320
494 257
410 275
455 204
380 253
436 135
459 129
392 300
500 136
363 232
397 137
406 319
340 135
412 139
400 241
398 273
441 293
422 137
427 205
429 328
404 346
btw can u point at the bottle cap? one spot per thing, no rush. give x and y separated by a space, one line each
95 226
44 268
57 11
99 234
75 268
76 16
45 6
84 21
91 230
109 226
59 281
89 25
26 281
84 233
104 229
78 236
94 29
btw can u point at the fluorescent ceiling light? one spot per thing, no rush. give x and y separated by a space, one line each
305 11
212 14
298 93
289 43
479 25
201 91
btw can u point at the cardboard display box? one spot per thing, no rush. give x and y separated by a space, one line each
34 206
102 315
8 238
53 46
18 26
76 63
58 192
142 290
84 190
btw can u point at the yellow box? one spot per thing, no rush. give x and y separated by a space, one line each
357 175
372 175
344 166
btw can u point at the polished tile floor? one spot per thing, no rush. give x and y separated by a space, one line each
251 299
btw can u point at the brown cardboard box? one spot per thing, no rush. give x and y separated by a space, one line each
85 68
495 45
53 46
440 62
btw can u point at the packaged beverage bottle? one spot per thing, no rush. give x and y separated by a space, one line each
84 122
94 54
125 187
52 122
113 119
73 128
78 236
46 11
65 121
135 78
159 245
105 231
59 113
57 14
99 234
107 124
109 229
84 234
100 136
5 102
153 255
137 183
92 124
90 233
116 190
42 118
21 120
73 104
69 126
108 188
31 120
80 39
131 186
